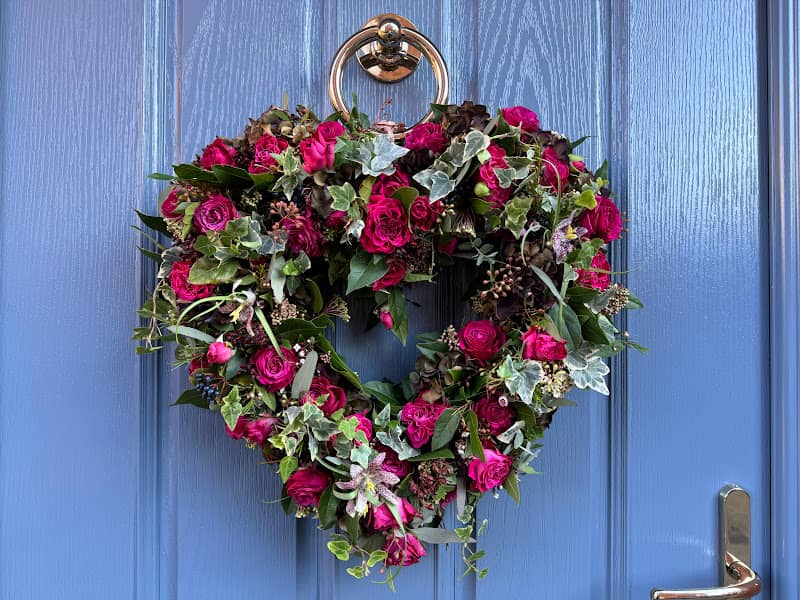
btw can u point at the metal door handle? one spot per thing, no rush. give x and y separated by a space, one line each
737 578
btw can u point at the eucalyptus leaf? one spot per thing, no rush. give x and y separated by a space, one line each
302 379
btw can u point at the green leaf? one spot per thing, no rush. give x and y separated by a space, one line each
232 176
384 391
155 256
288 465
440 453
521 377
365 189
475 445
340 549
579 141
210 270
193 397
302 379
375 557
474 142
437 535
511 486
328 504
231 408
406 195
548 282
365 269
277 278
191 332
586 199
298 265
515 214
633 302
445 428
154 223
192 173
342 195
160 177
270 334
357 572
397 308
377 156
602 172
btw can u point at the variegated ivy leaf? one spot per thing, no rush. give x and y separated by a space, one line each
168 258
382 418
393 438
474 142
505 177
293 173
342 195
355 228
521 377
377 156
588 371
515 214
520 165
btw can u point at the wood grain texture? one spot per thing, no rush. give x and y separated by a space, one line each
71 93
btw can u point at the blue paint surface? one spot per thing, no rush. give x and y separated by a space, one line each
108 493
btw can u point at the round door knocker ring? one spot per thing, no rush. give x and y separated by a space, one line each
389 51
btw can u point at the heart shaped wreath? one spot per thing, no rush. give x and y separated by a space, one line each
273 231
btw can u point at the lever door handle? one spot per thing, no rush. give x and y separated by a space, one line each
737 577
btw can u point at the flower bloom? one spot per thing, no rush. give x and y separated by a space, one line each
381 518
386 319
305 486
403 551
185 291
598 277
540 345
317 153
423 214
491 473
237 432
272 370
420 418
259 429
397 270
214 213
217 153
169 205
219 353
386 185
322 386
519 116
603 221
263 149
497 196
427 136
303 235
329 130
554 171
493 415
391 462
386 226
481 339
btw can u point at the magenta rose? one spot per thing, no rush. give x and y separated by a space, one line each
423 214
493 415
554 171
306 485
219 353
170 204
603 221
336 220
381 518
599 276
491 473
317 154
497 195
540 345
272 370
217 153
427 136
420 418
392 462
214 213
197 363
519 116
397 270
403 551
386 185
263 149
364 424
329 130
238 431
303 235
322 386
259 429
578 165
386 225
481 340
185 291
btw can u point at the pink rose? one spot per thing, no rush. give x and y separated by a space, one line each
185 291
578 165
386 185
322 386
329 130
488 475
427 136
214 213
272 370
397 270
217 153
392 462
259 429
364 424
306 485
386 319
603 221
381 517
238 431
403 551
420 418
317 154
599 276
497 196
519 116
386 226
481 340
263 149
540 345
423 214
169 205
494 415
303 235
219 353
554 172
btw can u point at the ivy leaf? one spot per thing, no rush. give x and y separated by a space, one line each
588 372
474 142
342 195
521 377
397 308
210 270
231 408
287 466
296 266
375 557
385 152
445 428
586 199
340 549
515 214
365 269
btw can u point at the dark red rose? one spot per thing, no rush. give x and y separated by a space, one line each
386 225
481 340
397 270
491 473
603 221
317 154
448 247
519 116
217 153
336 220
258 430
599 276
423 214
185 291
427 136
329 130
169 205
272 370
214 213
497 195
494 415
392 462
540 345
554 171
403 551
263 149
305 486
420 417
303 235
386 185
322 386
238 431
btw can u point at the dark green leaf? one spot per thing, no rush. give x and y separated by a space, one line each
193 173
397 308
365 269
151 255
440 453
511 486
328 505
193 397
602 172
160 177
475 445
232 176
384 391
287 466
154 223
445 428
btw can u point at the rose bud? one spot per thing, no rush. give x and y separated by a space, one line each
219 353
386 319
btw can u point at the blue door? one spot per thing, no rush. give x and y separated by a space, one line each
109 493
